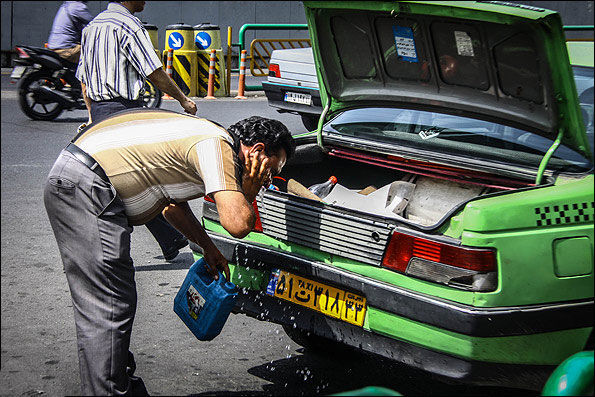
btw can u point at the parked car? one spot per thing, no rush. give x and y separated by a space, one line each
292 85
484 274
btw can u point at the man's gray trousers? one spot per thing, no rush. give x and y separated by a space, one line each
93 236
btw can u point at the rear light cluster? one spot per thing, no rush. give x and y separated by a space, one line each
274 70
211 213
462 267
22 53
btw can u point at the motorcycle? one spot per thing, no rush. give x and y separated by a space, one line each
48 84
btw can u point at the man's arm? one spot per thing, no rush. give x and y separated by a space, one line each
82 14
236 214
167 85
87 101
182 218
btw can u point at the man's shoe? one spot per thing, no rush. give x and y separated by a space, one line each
175 250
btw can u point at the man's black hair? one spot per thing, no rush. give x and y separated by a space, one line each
272 133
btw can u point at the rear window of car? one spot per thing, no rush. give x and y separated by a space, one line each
414 130
583 77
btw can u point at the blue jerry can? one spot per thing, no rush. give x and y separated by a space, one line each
204 304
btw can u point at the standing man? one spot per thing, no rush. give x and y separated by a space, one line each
121 172
117 56
65 36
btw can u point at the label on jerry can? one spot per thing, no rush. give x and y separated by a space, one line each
195 302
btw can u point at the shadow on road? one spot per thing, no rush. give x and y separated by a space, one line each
81 119
183 261
325 373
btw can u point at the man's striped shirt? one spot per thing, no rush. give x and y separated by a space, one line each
154 157
116 55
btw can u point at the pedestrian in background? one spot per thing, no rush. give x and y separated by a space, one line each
121 172
117 56
65 36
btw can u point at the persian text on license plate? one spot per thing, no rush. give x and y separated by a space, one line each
295 97
331 301
17 72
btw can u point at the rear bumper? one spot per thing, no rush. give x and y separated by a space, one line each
448 316
276 93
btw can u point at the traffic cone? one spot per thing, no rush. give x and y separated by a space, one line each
211 87
168 69
242 76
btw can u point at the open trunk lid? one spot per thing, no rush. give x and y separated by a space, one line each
494 61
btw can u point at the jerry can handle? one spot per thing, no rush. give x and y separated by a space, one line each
203 274
226 285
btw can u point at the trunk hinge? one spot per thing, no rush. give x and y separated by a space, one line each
546 158
321 122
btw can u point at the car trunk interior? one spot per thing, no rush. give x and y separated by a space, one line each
430 195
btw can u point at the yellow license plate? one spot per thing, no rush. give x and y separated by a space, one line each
325 299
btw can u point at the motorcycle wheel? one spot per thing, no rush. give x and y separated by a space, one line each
151 96
36 108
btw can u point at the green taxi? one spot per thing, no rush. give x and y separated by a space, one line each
486 275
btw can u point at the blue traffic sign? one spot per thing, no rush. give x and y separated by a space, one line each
175 40
202 40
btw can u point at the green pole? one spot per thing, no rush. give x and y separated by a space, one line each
263 26
579 27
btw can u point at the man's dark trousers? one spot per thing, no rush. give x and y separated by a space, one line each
93 236
168 237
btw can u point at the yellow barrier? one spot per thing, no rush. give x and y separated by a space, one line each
184 70
203 73
180 38
207 37
153 33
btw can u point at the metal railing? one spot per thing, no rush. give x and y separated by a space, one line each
261 26
579 28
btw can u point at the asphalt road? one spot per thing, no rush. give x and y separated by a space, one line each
250 357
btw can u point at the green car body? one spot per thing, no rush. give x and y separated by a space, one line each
535 309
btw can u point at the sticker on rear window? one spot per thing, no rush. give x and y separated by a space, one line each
464 44
405 43
431 132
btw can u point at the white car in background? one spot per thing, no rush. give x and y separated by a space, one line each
292 85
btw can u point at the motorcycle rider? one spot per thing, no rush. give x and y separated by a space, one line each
65 36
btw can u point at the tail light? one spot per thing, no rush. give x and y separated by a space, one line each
22 53
257 224
461 267
274 70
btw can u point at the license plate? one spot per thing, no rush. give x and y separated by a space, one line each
295 97
17 72
333 302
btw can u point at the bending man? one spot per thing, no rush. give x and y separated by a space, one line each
122 172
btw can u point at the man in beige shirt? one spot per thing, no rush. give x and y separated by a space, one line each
124 171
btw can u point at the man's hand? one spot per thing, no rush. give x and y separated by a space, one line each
189 105
180 216
256 175
167 85
216 262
